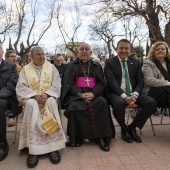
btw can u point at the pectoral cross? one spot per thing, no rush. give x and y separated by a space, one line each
87 81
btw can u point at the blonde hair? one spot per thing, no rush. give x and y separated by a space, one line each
26 58
150 55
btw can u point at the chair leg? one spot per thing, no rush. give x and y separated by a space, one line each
140 131
16 128
153 130
162 118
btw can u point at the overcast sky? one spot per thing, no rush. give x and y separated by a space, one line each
53 36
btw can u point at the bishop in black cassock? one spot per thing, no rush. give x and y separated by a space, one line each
87 111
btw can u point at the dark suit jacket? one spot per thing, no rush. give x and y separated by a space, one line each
69 78
8 81
61 68
113 74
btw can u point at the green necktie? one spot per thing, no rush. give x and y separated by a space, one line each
127 82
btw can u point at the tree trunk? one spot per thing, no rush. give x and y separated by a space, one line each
109 48
154 28
167 33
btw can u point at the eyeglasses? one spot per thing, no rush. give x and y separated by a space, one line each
82 49
12 56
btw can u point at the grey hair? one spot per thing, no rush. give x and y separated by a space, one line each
57 56
34 48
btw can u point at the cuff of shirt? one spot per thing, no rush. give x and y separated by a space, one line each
136 94
168 83
123 95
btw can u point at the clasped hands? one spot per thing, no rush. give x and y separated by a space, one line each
87 96
41 98
130 101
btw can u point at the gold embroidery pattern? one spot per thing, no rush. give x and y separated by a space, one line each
43 113
45 82
34 85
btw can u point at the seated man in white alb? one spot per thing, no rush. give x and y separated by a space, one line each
37 89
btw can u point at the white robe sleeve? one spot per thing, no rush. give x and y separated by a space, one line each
55 88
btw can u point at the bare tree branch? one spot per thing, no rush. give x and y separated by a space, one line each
153 11
77 21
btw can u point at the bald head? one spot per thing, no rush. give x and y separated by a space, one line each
84 52
82 44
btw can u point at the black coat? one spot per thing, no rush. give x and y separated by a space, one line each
113 74
8 81
61 69
68 81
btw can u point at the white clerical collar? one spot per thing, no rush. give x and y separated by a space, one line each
37 67
121 59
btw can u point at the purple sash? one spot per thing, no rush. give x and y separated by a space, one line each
85 82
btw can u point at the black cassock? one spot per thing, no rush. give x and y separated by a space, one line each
86 120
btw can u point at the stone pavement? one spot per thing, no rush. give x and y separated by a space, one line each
152 154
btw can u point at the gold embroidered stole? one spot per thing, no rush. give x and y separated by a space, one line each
47 121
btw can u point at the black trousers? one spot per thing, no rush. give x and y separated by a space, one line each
4 106
147 104
161 95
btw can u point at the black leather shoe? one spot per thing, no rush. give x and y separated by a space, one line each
4 148
126 137
103 145
55 157
134 135
32 161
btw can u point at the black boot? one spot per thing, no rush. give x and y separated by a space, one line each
4 148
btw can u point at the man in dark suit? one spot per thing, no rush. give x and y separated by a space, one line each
8 100
125 83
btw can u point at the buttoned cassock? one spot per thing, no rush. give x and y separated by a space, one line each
87 121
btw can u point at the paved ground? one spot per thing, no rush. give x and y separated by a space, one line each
152 154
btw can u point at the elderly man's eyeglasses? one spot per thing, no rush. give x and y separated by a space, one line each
84 49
